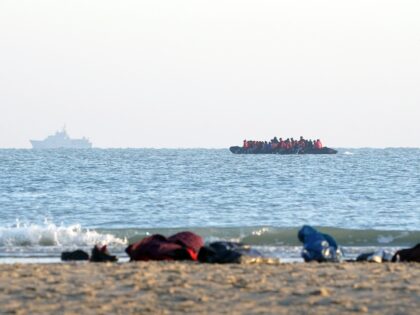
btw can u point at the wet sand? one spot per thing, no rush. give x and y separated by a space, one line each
178 288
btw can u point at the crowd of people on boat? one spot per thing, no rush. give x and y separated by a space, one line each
287 144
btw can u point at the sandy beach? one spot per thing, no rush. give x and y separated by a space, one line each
177 288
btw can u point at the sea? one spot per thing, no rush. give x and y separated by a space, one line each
59 200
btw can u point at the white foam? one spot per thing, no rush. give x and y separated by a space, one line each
382 239
49 234
261 231
348 153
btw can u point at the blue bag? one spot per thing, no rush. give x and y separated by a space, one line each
318 246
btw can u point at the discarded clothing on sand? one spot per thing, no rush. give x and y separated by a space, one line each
410 254
226 252
378 256
180 246
318 246
101 254
75 255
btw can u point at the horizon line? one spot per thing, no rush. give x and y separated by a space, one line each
204 148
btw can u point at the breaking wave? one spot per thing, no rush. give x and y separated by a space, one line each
51 235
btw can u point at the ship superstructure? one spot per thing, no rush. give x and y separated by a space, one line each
61 140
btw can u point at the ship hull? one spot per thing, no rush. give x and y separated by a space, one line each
71 144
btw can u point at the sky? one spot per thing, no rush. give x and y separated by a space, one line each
208 74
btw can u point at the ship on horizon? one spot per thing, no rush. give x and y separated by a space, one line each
61 140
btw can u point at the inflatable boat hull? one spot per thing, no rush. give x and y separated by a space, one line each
241 150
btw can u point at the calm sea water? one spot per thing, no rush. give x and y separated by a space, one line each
52 200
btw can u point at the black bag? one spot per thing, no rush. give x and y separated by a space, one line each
75 255
225 252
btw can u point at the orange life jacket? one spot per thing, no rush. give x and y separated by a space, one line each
318 144
281 145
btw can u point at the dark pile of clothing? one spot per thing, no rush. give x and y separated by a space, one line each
187 245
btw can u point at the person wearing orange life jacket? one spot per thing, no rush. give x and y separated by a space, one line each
282 144
318 144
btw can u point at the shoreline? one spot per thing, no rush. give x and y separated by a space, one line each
185 287
286 254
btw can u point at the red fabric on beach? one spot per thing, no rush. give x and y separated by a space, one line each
181 246
188 239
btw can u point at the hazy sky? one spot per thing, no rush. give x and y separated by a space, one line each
210 73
